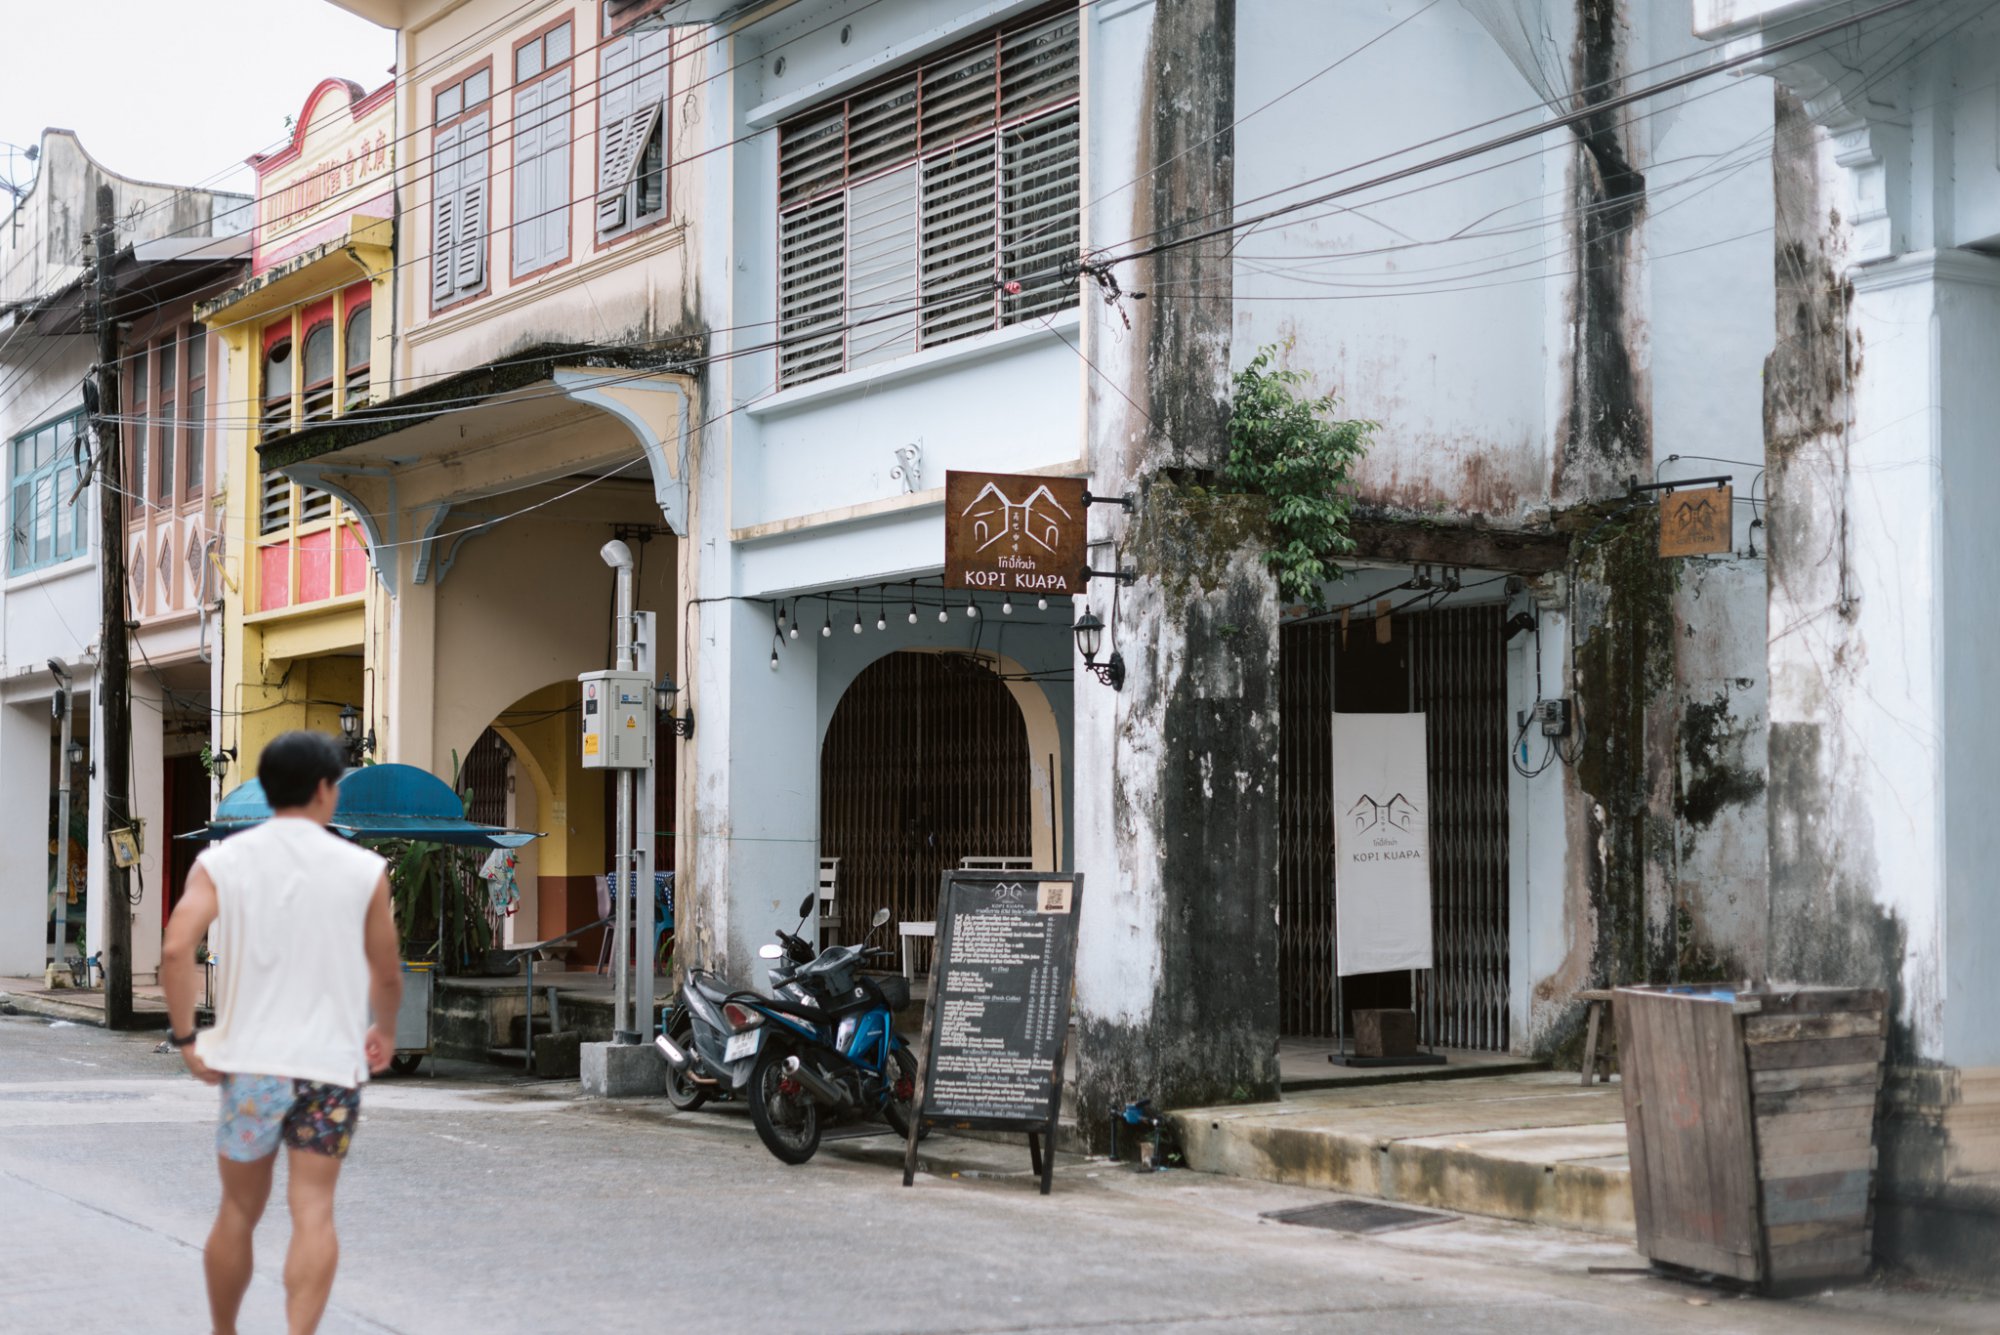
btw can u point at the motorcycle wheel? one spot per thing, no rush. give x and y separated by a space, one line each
787 1120
683 1093
898 1109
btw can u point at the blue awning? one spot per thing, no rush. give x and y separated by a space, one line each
376 802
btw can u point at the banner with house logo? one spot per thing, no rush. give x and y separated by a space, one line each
1382 843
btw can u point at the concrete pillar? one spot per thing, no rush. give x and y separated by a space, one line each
1885 722
412 668
24 848
755 763
1176 776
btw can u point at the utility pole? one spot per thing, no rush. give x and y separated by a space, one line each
114 666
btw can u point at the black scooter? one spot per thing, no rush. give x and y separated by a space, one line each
695 1034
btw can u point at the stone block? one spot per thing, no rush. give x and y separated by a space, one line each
622 1070
558 1055
1385 1033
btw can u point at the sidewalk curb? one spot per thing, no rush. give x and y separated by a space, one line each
48 1008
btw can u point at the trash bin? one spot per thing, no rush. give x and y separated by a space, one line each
1750 1116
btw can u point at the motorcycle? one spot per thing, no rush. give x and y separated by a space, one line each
694 1034
826 1043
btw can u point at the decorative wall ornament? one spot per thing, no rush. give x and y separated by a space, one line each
909 469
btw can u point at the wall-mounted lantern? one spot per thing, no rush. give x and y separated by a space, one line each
683 725
350 728
1089 641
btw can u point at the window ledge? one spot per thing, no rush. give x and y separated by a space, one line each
33 575
963 352
322 607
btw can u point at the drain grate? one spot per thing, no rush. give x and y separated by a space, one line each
1358 1217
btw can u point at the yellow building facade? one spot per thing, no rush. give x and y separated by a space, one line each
305 345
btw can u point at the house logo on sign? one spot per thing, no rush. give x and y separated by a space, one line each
995 518
1398 813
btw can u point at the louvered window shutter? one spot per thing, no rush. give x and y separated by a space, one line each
958 247
617 95
931 189
525 236
468 269
1040 226
811 246
554 167
444 211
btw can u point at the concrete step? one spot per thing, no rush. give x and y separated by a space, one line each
1534 1147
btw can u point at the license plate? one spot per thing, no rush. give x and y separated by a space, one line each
742 1045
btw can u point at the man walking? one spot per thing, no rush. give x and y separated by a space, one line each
307 952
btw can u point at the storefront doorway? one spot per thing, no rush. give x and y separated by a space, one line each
927 762
1451 664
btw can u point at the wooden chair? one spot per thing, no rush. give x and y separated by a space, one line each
829 892
1597 1010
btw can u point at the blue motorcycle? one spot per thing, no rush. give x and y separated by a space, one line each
825 1049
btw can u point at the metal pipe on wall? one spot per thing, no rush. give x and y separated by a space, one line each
619 557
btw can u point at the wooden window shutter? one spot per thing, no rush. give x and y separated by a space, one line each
444 211
468 269
529 144
617 95
553 168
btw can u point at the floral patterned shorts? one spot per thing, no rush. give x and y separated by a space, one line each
260 1110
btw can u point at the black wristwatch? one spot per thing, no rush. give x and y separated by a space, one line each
180 1042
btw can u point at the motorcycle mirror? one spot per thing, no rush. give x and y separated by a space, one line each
806 905
770 950
881 916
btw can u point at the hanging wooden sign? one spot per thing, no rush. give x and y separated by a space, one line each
1697 522
1014 533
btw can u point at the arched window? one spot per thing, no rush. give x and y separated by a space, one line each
319 372
359 343
276 418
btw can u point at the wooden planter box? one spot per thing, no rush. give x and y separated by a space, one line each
1750 1115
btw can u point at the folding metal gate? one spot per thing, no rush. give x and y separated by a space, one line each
926 762
1451 664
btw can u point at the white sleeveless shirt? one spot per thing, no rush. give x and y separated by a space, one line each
292 972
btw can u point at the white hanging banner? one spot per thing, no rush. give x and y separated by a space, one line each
1382 843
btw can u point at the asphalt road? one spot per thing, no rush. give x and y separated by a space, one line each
472 1203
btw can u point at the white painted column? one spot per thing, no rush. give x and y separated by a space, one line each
1883 641
756 798
24 789
411 675
149 881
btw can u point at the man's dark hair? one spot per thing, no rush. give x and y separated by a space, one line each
293 765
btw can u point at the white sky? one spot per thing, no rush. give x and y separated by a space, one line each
178 92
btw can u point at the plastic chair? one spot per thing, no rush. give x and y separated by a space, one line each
663 914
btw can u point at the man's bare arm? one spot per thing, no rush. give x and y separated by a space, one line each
385 970
178 970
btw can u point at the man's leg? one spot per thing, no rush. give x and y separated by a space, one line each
228 1258
315 1252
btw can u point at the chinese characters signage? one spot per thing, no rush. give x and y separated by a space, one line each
337 164
1008 533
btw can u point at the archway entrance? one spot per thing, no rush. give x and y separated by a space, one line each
927 762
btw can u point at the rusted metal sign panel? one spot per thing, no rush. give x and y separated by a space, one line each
1696 522
1008 533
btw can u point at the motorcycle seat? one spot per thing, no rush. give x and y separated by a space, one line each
709 988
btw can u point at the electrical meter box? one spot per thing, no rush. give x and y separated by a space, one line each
618 720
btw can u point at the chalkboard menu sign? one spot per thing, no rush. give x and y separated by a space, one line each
997 1022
